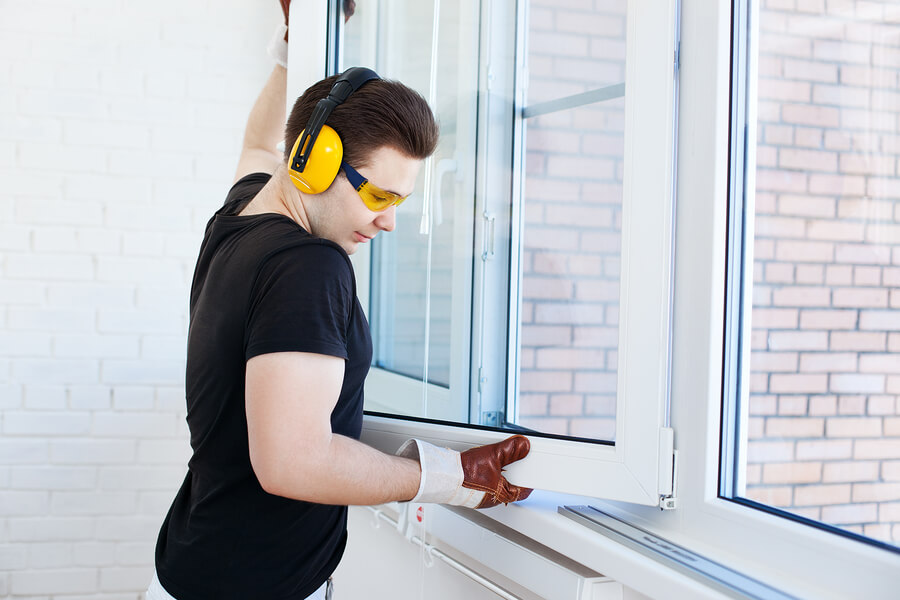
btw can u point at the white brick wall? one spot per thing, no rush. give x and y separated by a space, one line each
120 124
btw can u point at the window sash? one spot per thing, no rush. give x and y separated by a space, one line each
438 174
638 467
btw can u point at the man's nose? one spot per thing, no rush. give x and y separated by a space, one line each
387 219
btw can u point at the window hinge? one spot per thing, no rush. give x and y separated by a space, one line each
481 379
668 469
487 250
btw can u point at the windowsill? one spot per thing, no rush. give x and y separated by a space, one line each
538 519
695 525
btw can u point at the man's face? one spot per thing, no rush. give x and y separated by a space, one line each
339 215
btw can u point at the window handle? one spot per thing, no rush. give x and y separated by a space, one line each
488 249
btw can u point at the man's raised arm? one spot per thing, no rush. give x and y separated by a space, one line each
265 125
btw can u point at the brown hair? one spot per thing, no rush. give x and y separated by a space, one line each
380 113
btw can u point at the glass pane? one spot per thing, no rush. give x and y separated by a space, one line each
412 267
400 284
823 431
572 214
573 50
570 264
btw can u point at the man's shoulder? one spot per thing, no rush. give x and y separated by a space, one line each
311 268
312 251
245 188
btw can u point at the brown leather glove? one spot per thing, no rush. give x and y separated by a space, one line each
349 9
483 467
473 478
286 9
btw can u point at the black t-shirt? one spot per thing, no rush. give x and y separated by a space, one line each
262 284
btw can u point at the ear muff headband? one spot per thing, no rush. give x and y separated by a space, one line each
317 153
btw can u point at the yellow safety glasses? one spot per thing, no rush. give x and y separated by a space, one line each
375 198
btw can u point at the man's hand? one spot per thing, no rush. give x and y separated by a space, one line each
473 478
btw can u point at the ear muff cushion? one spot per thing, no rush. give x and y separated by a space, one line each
323 164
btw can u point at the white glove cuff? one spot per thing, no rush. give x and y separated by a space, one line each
442 475
278 48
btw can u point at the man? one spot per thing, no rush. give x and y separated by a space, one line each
278 351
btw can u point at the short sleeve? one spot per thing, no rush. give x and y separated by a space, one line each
301 302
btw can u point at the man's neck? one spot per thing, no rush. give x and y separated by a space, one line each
280 196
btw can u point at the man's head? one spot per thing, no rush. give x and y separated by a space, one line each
380 113
387 130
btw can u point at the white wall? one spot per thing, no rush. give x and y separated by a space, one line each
120 125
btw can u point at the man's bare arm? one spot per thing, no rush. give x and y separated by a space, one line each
289 398
265 128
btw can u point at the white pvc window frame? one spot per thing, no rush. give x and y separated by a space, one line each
805 561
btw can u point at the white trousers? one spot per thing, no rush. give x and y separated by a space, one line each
157 592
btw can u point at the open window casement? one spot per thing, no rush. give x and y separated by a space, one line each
450 293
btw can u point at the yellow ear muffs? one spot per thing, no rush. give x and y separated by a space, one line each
323 164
